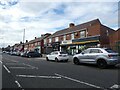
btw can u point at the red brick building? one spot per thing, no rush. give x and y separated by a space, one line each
36 44
115 40
76 37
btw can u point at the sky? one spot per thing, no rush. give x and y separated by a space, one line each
48 16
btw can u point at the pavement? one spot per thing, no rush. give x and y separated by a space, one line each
38 73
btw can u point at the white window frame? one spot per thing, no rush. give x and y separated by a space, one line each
72 35
45 41
81 36
56 39
50 40
64 37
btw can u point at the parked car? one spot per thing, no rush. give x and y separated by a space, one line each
57 56
100 56
23 54
31 54
13 53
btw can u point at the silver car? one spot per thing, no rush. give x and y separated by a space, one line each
100 56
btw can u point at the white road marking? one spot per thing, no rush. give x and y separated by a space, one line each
18 84
30 66
13 63
21 68
1 62
75 80
115 86
6 69
32 76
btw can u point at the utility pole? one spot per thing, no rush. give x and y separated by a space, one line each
23 39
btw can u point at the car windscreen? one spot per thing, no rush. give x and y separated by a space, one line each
110 51
63 53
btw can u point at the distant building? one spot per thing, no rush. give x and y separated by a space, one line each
37 43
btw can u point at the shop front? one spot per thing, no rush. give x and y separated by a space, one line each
56 46
78 45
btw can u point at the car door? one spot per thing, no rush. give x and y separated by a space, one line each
50 56
93 54
84 56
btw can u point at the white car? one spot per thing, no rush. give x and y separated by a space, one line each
57 56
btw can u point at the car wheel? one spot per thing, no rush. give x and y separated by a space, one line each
41 55
28 56
56 59
76 61
102 64
66 60
47 59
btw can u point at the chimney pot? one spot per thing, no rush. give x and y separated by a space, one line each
71 25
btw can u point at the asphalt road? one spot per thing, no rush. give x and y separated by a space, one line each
20 72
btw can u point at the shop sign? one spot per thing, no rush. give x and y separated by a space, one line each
67 42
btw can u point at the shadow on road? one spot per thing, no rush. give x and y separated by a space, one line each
117 67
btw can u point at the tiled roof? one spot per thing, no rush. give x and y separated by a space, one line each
75 28
36 40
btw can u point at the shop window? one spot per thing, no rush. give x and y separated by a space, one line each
82 34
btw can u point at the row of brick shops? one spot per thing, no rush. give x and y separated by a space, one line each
74 46
76 38
80 37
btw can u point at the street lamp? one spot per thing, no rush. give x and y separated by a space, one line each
23 39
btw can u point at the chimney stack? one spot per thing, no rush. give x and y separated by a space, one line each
20 42
26 41
71 25
35 37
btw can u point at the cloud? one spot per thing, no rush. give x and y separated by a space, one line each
40 17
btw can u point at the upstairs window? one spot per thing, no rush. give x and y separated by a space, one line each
72 36
107 32
82 34
56 39
50 40
64 37
45 41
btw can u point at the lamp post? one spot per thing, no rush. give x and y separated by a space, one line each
23 39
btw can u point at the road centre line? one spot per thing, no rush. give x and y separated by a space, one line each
6 69
75 80
32 76
18 84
